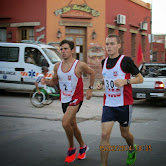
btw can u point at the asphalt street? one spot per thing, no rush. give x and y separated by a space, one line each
46 146
34 136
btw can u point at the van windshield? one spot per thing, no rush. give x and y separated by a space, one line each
52 54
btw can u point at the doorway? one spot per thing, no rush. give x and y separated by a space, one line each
77 35
2 35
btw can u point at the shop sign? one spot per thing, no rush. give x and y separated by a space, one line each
83 8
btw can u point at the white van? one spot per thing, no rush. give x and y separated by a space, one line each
20 64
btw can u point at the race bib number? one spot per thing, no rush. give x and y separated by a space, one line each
111 90
109 84
66 86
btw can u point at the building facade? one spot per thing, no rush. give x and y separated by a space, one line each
158 53
159 48
86 22
22 20
161 38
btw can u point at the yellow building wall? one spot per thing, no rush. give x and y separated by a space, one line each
52 21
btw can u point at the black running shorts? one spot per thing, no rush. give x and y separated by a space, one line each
71 103
122 114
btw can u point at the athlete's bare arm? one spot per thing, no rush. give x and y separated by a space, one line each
84 68
54 80
121 82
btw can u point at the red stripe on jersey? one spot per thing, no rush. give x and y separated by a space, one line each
79 94
127 92
104 98
60 94
75 70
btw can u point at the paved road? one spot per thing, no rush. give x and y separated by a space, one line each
34 137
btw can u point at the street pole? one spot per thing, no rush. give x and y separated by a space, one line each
151 44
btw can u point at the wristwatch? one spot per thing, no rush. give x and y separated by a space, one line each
128 81
90 87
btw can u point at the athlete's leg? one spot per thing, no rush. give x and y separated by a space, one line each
127 135
105 137
125 115
131 154
77 132
68 117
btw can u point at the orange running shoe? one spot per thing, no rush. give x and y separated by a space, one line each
82 152
71 155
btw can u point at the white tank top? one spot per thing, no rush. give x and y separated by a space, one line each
71 87
115 96
38 80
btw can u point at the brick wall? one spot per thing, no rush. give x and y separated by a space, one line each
159 52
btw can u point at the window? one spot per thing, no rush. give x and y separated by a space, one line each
52 54
26 33
34 56
31 34
72 30
110 31
143 45
162 56
2 35
154 56
121 35
9 54
133 45
69 38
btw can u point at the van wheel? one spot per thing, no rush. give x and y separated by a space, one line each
37 100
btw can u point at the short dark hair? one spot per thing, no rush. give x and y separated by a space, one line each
44 69
69 42
115 36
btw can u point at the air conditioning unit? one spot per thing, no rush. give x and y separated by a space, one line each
144 26
121 19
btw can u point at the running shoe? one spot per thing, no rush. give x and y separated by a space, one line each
131 156
82 152
71 155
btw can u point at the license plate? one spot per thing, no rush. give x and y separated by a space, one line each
141 95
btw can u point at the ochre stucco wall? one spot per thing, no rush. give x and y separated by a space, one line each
52 21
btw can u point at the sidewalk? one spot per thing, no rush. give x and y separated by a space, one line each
95 92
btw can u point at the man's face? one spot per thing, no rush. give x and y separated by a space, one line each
112 47
45 72
66 52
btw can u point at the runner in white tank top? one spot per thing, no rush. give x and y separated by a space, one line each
69 74
116 96
117 100
70 85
